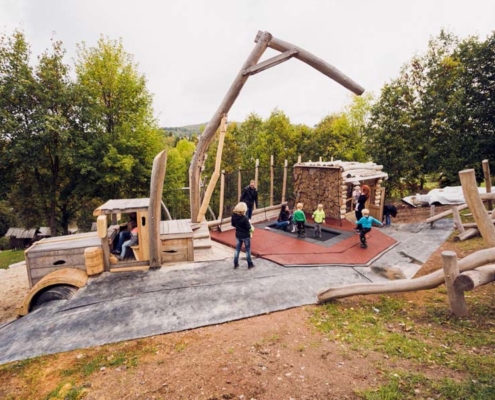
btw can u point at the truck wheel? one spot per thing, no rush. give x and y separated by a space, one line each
52 293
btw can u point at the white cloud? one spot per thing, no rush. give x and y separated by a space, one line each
190 51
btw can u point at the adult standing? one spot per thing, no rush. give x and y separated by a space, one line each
242 233
249 196
361 202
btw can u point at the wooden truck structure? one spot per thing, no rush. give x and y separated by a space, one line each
58 266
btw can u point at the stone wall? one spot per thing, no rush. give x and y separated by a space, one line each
314 185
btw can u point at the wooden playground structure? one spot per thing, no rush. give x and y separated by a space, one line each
59 263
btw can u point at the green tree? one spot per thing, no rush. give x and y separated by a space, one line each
117 114
175 197
39 138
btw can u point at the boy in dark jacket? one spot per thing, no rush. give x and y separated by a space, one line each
242 233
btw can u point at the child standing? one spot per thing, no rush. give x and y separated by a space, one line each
365 223
243 233
318 217
300 219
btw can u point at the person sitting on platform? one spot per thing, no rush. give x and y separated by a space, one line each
131 242
284 218
124 233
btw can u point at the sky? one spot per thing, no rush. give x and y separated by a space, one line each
190 51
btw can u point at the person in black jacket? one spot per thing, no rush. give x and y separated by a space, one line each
284 218
360 204
249 196
242 233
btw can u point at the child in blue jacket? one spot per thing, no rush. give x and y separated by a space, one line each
365 223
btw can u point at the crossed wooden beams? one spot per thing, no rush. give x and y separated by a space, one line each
252 67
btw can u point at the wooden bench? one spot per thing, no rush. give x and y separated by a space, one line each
135 250
177 240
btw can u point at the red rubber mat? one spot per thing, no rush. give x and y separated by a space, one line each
289 250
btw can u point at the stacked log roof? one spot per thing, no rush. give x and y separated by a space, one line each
351 171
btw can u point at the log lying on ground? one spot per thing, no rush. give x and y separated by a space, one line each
470 280
483 196
471 232
430 281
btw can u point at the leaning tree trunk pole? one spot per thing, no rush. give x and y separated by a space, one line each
475 204
216 173
212 126
430 281
315 62
154 211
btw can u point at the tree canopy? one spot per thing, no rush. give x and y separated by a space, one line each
65 143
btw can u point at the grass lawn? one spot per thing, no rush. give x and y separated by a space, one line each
8 257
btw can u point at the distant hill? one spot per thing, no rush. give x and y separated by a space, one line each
187 130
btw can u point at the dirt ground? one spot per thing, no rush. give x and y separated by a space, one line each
274 356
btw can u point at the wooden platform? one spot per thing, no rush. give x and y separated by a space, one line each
177 240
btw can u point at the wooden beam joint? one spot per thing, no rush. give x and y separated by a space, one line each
271 62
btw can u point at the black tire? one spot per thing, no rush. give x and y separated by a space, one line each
52 293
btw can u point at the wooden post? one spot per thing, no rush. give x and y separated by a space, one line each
216 172
222 195
271 180
154 211
102 230
299 159
457 219
239 183
256 172
457 302
212 126
284 183
475 204
488 179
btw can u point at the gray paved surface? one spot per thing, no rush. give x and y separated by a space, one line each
123 306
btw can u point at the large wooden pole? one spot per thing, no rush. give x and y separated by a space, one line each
154 211
315 62
212 126
475 204
216 173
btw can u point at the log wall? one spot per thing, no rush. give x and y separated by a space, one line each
314 185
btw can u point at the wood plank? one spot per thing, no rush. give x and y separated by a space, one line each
271 62
122 206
